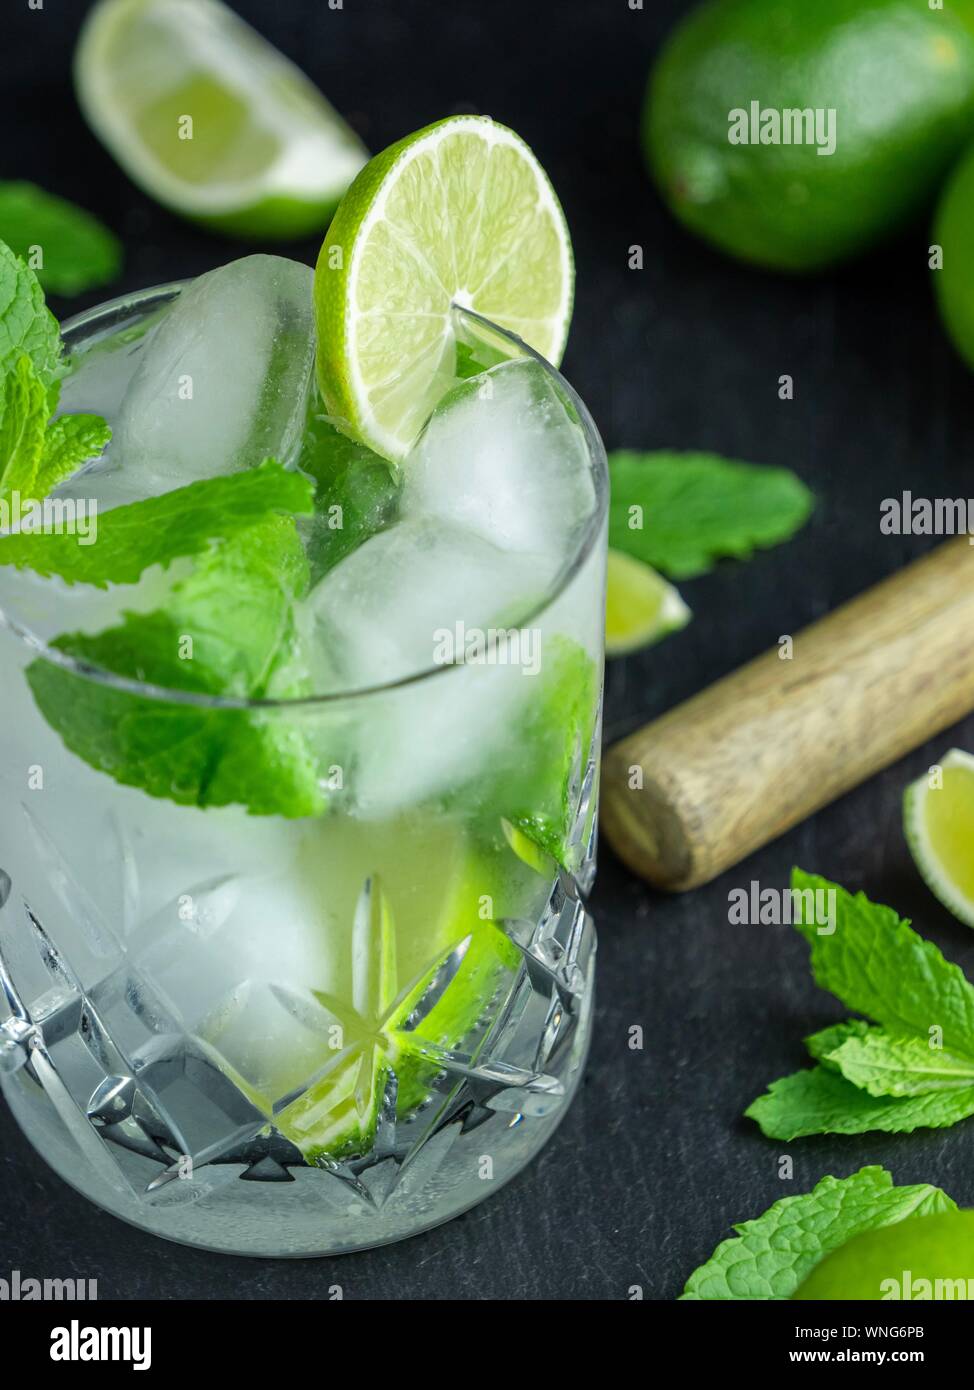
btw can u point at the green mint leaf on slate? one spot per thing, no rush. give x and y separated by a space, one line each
23 421
698 508
879 966
885 1065
237 610
820 1101
887 1077
821 1044
158 530
26 323
771 1256
69 441
77 252
356 493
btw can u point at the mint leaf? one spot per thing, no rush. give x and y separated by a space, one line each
698 508
877 1078
772 1255
26 324
822 1044
158 530
23 420
34 455
820 1101
77 252
236 609
356 493
69 441
885 1065
877 965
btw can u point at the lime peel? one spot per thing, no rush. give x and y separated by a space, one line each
266 154
923 1258
641 606
939 826
458 215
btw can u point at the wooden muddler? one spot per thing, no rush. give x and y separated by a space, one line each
692 793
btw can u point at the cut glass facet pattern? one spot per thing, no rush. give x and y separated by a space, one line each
168 1095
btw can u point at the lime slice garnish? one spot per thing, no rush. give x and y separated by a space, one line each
459 214
924 1257
939 826
640 605
207 117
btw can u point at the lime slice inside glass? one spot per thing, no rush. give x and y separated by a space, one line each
640 605
458 215
938 818
926 1258
208 118
429 935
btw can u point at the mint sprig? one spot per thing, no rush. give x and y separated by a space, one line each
36 453
227 630
771 1256
913 1067
77 252
23 425
822 1101
681 512
158 530
886 1065
69 441
26 323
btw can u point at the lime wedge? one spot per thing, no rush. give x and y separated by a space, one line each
939 825
923 1258
640 606
208 118
459 214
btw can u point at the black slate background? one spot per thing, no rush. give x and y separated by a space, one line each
654 1162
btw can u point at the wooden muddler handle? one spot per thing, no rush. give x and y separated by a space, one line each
692 793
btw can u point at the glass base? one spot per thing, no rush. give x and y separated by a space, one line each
116 1128
307 1213
264 1203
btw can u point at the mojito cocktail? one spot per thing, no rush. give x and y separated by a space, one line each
300 677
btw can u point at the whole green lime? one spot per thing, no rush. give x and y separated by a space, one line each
795 133
954 279
927 1258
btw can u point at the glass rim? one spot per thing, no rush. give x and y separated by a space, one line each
109 314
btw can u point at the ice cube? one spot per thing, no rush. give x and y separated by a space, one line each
505 456
98 376
409 599
423 740
391 608
224 381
